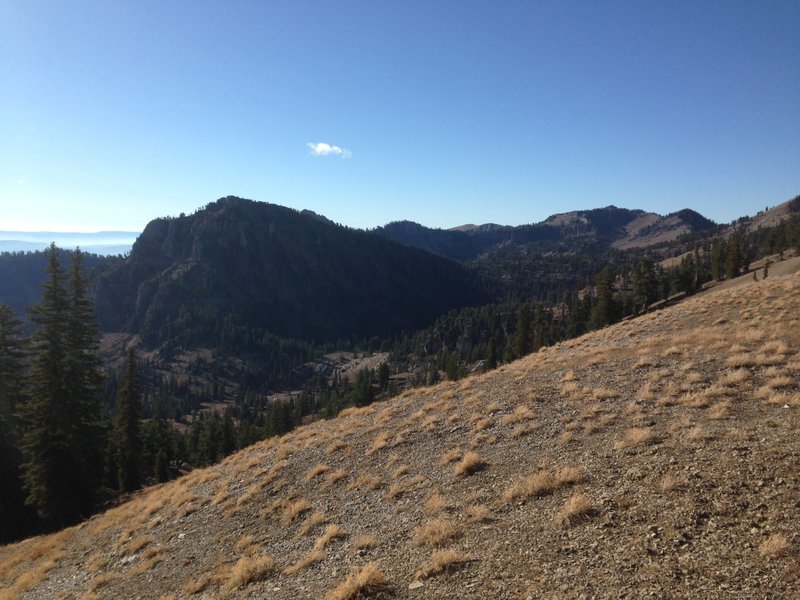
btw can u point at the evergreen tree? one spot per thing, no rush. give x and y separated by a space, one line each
718 259
160 443
62 427
645 284
127 439
14 518
734 258
605 310
521 345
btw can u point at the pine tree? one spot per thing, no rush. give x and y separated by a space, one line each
733 259
645 284
605 309
62 425
521 345
160 443
14 518
127 439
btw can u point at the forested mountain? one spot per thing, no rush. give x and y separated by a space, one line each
242 269
593 231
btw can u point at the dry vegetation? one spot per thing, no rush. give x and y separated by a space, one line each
655 458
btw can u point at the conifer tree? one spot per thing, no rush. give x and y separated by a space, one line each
14 518
159 436
605 310
62 426
127 441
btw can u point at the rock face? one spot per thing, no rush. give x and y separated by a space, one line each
655 458
242 265
578 231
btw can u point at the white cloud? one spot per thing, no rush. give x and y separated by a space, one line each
323 149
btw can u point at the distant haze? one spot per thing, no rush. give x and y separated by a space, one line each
102 242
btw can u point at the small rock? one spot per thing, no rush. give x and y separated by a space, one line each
415 585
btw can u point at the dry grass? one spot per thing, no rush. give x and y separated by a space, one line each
436 503
316 555
364 542
521 413
331 532
538 484
316 471
335 446
379 443
478 514
634 437
366 483
401 487
670 483
311 522
443 561
577 507
362 583
775 546
247 570
568 475
449 456
400 471
435 533
294 510
333 477
470 463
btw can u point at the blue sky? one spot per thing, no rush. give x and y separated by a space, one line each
113 113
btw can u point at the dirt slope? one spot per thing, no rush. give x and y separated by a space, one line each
657 458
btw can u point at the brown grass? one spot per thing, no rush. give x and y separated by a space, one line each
335 446
364 541
520 413
577 507
366 582
311 522
670 483
316 471
294 510
436 503
366 483
379 443
401 487
568 475
634 437
331 532
247 570
538 484
435 533
478 514
449 456
316 555
775 546
443 561
333 477
470 463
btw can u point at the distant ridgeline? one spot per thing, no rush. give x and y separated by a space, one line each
104 243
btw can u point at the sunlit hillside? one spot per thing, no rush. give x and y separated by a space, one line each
659 457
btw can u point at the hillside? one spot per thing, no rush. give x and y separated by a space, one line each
657 457
594 231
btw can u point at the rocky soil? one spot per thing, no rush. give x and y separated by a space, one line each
657 458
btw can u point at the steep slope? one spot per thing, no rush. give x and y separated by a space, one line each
656 458
240 268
